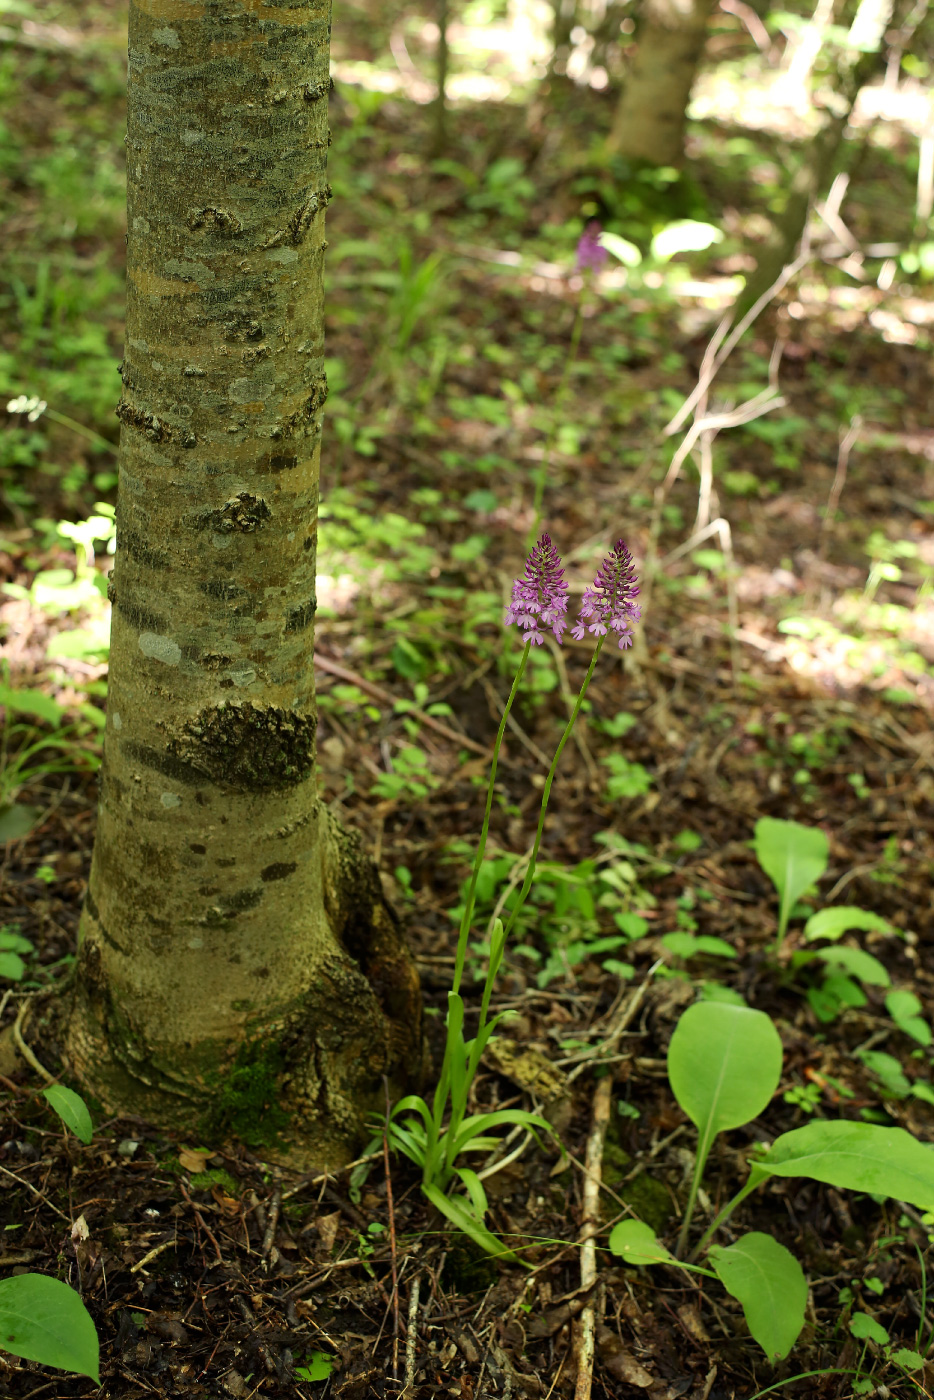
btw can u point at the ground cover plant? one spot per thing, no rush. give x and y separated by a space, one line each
739 828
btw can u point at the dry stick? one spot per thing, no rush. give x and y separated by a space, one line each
334 668
35 1191
392 1240
411 1333
719 349
272 1221
609 1043
586 1327
496 701
847 443
201 1221
24 1049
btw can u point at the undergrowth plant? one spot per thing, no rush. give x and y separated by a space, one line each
795 857
435 1136
724 1067
41 1318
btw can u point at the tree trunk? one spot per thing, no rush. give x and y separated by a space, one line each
237 969
649 121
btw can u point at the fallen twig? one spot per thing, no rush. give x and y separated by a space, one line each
586 1326
411 1333
334 668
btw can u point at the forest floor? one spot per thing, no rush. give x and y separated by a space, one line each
784 668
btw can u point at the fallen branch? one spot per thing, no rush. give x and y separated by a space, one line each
586 1327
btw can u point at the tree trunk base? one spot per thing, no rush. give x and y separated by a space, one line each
298 1083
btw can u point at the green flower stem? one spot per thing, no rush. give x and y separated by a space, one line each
542 473
724 1215
530 872
470 900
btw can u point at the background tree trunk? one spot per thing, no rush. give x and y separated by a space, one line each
649 120
237 968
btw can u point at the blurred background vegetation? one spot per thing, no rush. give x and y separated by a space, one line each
735 158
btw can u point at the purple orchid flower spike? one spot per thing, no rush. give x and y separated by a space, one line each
607 605
540 595
591 254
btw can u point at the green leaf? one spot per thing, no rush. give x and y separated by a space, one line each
867 1328
72 1110
31 702
475 1190
42 1319
457 1210
861 965
909 1360
319 1368
688 945
856 1157
479 1123
13 942
904 1008
834 923
769 1282
635 1243
684 236
12 967
793 856
627 253
17 821
888 1070
724 1064
899 1004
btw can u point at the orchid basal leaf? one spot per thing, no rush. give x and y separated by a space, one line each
769 1283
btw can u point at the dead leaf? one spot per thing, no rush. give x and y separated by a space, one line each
327 1229
619 1363
228 1204
193 1161
691 1322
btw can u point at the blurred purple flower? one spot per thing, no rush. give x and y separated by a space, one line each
540 595
591 254
608 604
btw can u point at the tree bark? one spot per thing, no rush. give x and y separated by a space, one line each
238 972
649 121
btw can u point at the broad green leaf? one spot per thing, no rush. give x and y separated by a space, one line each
909 1360
627 253
793 856
42 1319
859 964
458 1211
12 967
865 1327
888 1071
724 1064
635 1243
31 702
13 942
319 1367
72 1110
688 945
856 1157
716 991
899 1004
904 1008
685 236
769 1282
835 922
17 821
